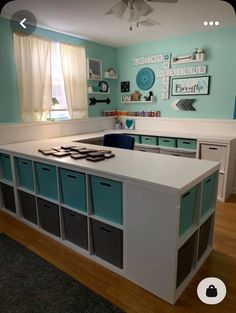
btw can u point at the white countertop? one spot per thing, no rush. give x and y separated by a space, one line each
167 173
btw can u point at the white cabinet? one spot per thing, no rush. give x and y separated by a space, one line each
225 155
216 153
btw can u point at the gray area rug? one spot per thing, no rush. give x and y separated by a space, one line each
29 284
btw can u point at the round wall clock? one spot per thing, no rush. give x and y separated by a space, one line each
145 78
103 86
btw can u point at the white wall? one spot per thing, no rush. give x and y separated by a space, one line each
201 126
10 133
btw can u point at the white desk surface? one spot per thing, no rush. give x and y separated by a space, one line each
165 172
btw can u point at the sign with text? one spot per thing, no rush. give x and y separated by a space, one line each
190 86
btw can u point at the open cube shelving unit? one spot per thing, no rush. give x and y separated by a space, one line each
156 239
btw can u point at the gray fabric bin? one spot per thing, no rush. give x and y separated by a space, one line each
76 229
49 216
185 259
108 243
8 197
28 207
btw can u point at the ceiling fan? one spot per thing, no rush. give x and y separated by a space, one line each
137 9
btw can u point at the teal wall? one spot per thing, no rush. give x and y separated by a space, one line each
220 46
9 104
9 108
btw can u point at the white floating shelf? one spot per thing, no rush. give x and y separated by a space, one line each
189 58
106 75
140 101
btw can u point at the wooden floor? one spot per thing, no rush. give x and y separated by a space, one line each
221 263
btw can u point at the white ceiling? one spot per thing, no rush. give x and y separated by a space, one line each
86 19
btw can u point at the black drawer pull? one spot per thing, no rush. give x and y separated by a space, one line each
176 154
24 162
46 169
73 215
7 157
148 138
186 142
105 184
213 148
47 206
166 140
71 176
188 193
209 179
105 229
27 197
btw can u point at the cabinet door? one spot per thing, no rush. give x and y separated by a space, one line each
214 153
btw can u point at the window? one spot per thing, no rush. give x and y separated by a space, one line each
56 74
58 109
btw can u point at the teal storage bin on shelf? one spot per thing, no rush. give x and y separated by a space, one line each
187 143
73 188
208 186
167 142
136 138
187 208
25 173
5 163
46 180
107 199
149 140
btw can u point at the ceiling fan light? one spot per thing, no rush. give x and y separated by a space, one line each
142 8
119 9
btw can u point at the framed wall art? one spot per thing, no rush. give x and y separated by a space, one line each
94 69
190 86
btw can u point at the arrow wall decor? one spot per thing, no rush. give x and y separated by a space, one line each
94 101
183 105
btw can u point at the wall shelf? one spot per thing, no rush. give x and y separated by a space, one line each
140 101
193 57
99 92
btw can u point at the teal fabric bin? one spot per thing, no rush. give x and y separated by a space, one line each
73 189
5 163
149 140
208 186
187 206
187 143
46 180
25 173
167 142
107 199
136 138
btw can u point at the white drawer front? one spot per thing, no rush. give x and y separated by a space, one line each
178 153
139 148
214 153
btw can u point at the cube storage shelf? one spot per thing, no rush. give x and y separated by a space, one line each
92 222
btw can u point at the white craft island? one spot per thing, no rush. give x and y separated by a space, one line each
148 217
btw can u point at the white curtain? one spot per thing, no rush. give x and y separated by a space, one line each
33 65
73 60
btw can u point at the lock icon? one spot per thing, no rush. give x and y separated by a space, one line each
211 291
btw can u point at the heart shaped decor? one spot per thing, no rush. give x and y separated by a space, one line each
129 123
